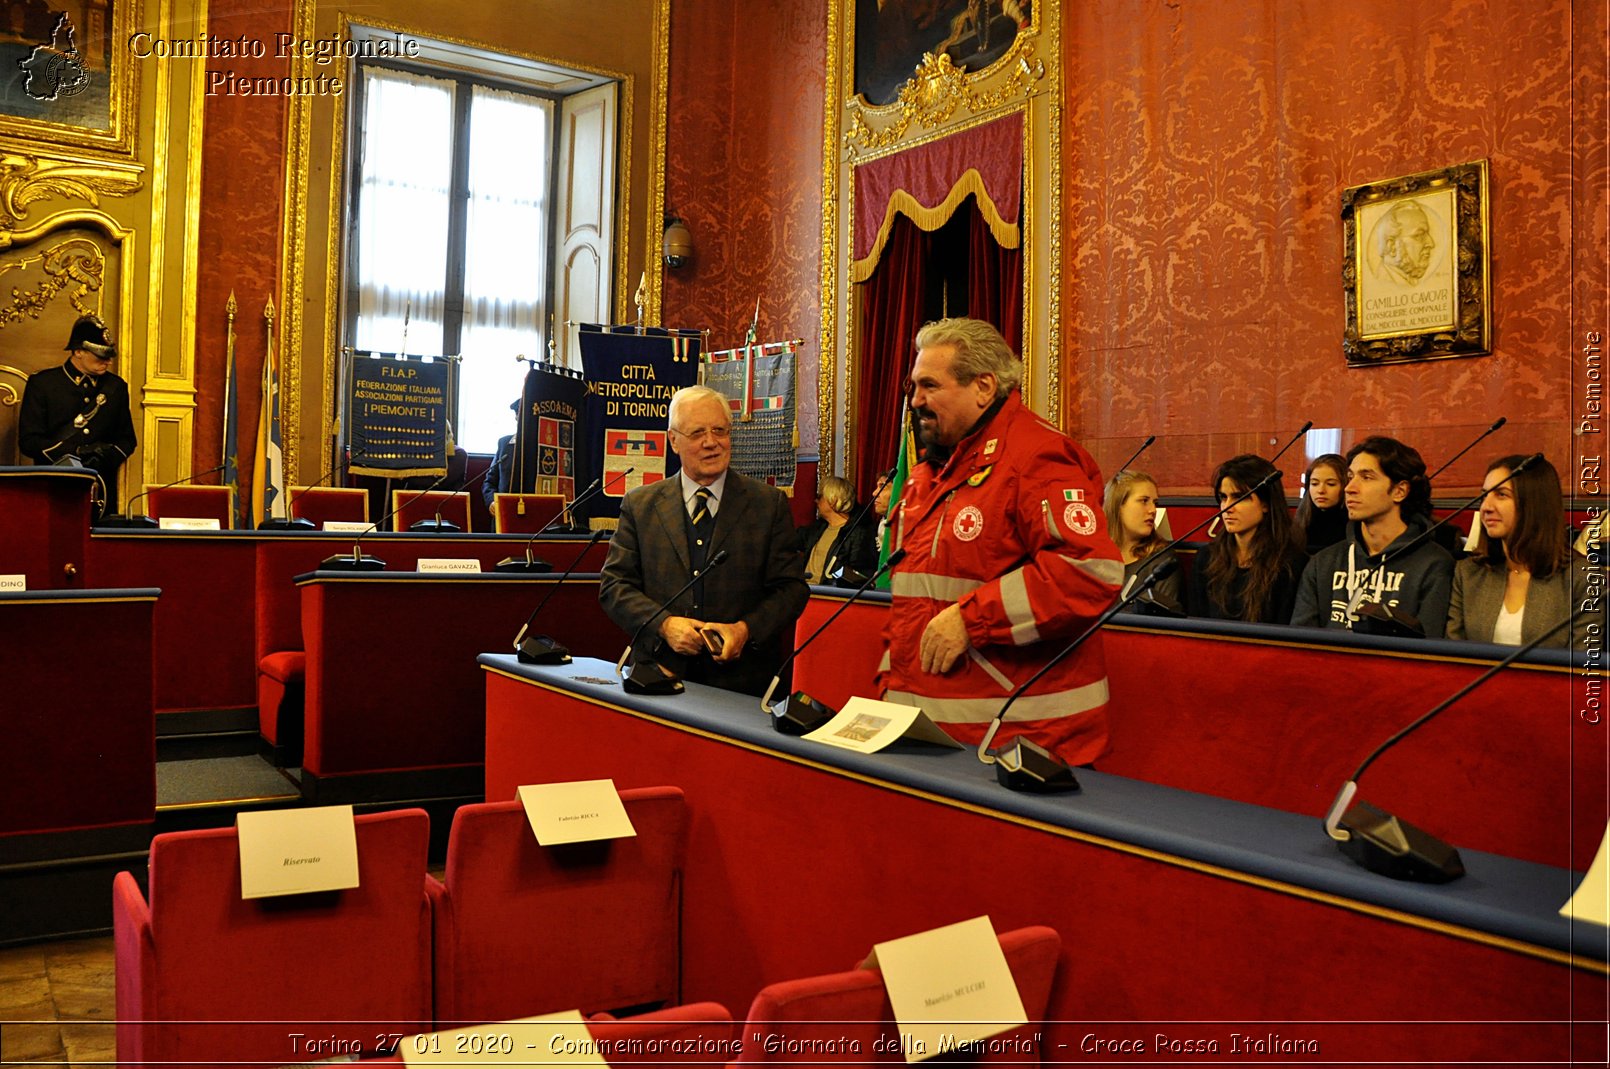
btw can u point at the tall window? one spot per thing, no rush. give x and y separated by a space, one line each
452 233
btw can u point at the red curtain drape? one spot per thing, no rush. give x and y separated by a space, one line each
994 280
891 313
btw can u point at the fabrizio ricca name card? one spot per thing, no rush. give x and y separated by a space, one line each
583 811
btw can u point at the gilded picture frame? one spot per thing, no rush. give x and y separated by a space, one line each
67 73
1416 267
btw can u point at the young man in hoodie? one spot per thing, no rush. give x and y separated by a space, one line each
1388 501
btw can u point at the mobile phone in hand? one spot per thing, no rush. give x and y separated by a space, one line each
712 640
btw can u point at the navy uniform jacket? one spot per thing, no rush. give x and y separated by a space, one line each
66 413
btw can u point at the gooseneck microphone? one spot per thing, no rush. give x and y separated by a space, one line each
803 713
594 488
437 525
1381 842
1304 429
1147 444
1024 765
132 519
647 677
290 521
540 649
1382 619
1497 423
528 563
359 561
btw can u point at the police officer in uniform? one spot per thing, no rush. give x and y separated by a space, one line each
77 414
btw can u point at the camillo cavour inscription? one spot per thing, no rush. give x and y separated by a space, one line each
321 51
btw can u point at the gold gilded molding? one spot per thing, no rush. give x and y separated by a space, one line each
653 264
123 102
293 246
74 267
941 99
27 180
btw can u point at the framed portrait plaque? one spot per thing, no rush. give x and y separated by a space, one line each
1416 267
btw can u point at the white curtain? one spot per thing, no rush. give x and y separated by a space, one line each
506 256
403 208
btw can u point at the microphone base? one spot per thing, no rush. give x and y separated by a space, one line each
434 527
801 714
649 678
136 523
521 564
1395 848
347 562
1022 765
281 524
540 649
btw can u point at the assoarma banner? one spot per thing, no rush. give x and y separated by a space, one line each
397 410
630 379
548 454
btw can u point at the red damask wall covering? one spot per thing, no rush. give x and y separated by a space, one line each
242 190
744 170
1206 150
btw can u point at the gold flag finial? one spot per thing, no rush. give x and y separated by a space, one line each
268 309
230 305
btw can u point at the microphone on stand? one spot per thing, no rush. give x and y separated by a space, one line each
1024 765
441 526
647 676
540 649
290 521
594 488
1147 444
528 563
1306 427
803 713
1499 422
130 519
1380 618
361 562
1381 842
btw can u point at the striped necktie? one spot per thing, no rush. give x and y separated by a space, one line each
701 506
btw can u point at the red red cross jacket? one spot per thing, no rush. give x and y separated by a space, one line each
1012 530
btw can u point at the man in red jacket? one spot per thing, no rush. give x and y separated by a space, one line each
1007 556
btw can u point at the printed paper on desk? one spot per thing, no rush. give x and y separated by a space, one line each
13 582
294 851
1591 902
348 526
867 725
583 811
1161 528
448 564
552 1039
949 987
187 523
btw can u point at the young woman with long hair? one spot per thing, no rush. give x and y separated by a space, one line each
1131 506
1249 572
1321 516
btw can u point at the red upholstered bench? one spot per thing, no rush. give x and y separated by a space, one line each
280 693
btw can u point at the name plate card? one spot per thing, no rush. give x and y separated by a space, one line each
13 582
1591 901
949 987
448 564
552 1039
347 526
583 811
295 851
186 523
867 725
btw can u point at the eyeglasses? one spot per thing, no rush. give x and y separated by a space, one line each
720 434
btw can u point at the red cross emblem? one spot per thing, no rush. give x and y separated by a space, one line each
969 523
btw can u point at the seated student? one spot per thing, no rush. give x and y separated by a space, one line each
1521 578
1321 517
832 542
1131 507
1388 506
1250 571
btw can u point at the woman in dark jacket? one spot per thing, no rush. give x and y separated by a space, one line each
833 544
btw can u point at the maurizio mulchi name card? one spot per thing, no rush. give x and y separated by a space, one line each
949 987
552 1039
295 851
867 725
582 811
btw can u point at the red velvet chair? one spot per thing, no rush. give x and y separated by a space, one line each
318 504
854 1006
192 503
525 513
523 929
198 963
411 506
695 1034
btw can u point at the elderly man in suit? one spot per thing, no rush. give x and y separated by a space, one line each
732 628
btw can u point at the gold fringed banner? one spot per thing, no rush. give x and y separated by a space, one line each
1009 235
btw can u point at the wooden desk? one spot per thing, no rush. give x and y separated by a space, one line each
393 698
46 512
1173 907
